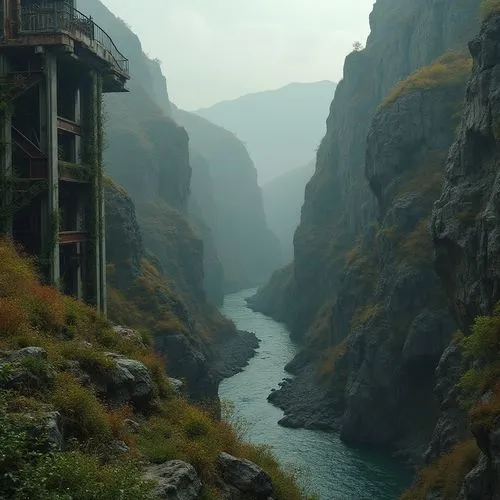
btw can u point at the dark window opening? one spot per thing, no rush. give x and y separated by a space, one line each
67 146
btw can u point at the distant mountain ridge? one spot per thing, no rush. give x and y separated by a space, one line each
281 128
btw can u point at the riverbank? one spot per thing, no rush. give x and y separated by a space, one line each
328 467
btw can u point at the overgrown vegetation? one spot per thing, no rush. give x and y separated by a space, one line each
489 7
480 385
480 394
417 247
445 476
88 468
449 70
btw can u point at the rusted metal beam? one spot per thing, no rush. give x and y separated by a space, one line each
71 237
69 126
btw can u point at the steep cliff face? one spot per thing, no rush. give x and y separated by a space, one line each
405 36
466 218
248 250
363 293
374 350
465 226
283 198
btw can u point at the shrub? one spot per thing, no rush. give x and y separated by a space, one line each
449 70
157 367
76 476
484 340
89 358
13 318
83 415
482 346
446 474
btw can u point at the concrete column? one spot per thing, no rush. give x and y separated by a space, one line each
92 156
6 196
100 197
50 105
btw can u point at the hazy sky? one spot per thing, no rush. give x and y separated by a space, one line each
212 50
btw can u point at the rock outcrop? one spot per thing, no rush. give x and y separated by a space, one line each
245 477
175 480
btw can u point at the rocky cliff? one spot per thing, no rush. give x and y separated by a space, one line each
362 293
404 36
465 226
198 344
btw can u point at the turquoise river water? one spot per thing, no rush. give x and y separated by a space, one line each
327 466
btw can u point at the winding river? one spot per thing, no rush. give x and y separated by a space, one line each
327 466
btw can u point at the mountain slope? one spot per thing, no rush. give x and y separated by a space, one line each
248 250
281 128
283 198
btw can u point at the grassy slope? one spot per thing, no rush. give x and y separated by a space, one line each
35 315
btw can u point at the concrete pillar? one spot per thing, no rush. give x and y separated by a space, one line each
6 196
100 196
92 156
50 105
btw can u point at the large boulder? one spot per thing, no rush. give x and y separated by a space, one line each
186 360
245 476
130 381
25 370
175 480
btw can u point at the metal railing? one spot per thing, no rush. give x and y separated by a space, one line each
56 17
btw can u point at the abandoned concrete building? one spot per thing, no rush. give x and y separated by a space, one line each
55 64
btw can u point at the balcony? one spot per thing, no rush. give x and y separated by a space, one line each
48 19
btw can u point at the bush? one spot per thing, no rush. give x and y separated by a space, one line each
83 415
482 347
451 69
